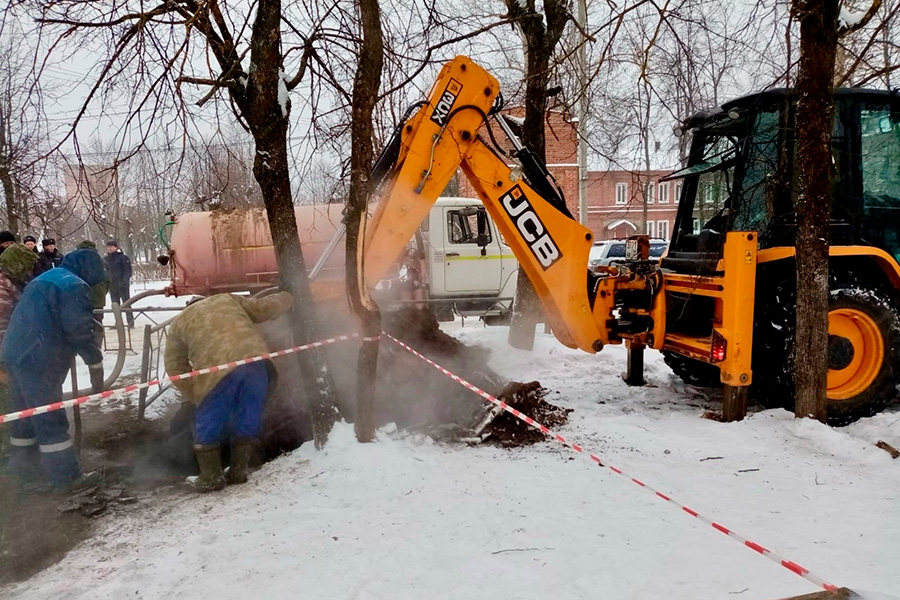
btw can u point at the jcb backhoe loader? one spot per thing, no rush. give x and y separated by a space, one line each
720 305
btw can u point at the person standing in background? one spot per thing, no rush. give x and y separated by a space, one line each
118 265
16 266
30 242
7 239
50 257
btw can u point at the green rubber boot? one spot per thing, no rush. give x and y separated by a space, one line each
241 453
209 458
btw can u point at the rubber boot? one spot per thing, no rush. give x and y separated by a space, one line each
209 457
241 453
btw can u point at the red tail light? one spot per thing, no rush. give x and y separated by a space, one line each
719 345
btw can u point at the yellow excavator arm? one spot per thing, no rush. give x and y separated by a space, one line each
442 136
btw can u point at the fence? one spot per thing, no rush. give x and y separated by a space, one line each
154 341
150 271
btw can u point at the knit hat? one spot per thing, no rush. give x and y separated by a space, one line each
48 242
112 243
29 238
7 236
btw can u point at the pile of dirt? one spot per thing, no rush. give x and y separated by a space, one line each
97 500
529 398
454 410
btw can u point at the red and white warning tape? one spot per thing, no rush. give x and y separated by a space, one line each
38 410
774 556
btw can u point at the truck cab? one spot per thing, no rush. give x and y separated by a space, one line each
465 274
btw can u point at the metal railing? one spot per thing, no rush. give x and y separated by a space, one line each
153 343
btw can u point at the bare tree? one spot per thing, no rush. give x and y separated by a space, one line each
819 34
367 80
241 50
22 134
541 31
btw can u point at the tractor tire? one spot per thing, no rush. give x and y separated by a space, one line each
691 371
864 352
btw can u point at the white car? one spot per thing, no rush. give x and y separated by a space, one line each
607 252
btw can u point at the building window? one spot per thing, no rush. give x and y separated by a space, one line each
696 226
662 229
651 228
621 193
677 192
648 192
664 193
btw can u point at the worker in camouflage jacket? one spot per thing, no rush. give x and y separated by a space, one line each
16 265
51 323
215 331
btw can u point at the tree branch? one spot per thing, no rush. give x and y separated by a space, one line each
870 14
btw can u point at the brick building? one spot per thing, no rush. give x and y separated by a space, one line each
616 207
615 198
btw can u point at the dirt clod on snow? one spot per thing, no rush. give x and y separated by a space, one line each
508 431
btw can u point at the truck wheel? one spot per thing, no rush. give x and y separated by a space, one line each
693 371
497 320
863 353
444 313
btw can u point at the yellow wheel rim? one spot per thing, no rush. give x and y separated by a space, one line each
868 353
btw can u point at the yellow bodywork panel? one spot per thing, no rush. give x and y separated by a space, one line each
734 293
551 247
737 306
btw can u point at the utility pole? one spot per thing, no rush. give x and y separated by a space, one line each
582 118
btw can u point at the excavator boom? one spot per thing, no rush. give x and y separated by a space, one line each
443 136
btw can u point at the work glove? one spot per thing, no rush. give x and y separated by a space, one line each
96 372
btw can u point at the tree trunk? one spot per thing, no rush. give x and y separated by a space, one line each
365 88
9 195
526 306
818 44
267 117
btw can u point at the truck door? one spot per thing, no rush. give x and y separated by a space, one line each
469 267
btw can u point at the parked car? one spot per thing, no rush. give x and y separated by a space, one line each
608 252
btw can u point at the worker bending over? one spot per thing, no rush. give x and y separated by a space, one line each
214 331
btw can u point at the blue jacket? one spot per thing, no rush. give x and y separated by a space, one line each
53 318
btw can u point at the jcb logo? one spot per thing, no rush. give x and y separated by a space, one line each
530 227
445 104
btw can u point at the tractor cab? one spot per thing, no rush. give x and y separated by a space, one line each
740 176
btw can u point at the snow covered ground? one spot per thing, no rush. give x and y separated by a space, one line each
407 518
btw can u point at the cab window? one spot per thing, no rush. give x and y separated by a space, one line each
880 146
463 229
880 166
